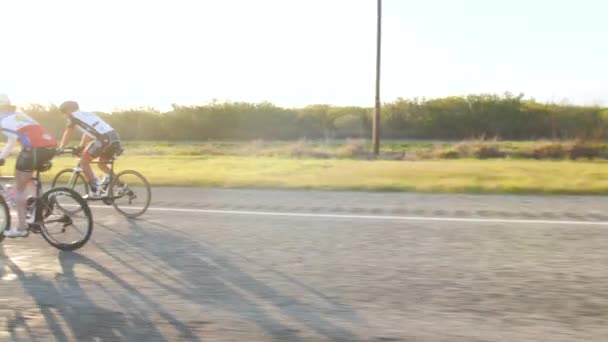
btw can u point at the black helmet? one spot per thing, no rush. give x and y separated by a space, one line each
68 107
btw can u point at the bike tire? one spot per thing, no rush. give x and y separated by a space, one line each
146 187
4 210
46 203
79 180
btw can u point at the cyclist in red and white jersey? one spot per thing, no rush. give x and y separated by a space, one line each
38 147
99 140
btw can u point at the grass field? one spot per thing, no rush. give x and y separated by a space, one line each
340 165
456 176
390 150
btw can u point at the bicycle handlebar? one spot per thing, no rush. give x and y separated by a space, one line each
71 150
76 152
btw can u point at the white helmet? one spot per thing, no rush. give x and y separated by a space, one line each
4 100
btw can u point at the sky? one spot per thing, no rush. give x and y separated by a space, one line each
128 53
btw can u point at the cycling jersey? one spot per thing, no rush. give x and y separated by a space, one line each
90 124
19 126
105 149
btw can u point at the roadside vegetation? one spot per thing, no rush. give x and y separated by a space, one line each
486 116
515 176
469 144
390 150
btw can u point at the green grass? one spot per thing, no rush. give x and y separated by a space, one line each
455 176
390 150
344 165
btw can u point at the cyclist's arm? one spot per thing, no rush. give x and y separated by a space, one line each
67 136
8 147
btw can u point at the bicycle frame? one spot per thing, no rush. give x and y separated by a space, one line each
41 211
76 171
111 190
9 200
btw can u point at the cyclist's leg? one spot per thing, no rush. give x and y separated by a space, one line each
90 152
109 152
112 150
23 176
22 179
104 166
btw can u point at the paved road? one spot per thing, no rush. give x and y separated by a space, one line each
244 265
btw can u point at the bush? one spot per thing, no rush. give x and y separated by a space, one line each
582 150
298 149
349 126
549 151
449 153
506 116
352 149
488 151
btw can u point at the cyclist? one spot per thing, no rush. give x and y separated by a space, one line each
38 147
99 140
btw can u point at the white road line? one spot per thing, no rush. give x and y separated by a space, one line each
371 217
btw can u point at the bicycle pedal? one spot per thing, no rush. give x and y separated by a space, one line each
34 228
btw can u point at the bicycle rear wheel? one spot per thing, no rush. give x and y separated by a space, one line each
130 193
64 218
5 217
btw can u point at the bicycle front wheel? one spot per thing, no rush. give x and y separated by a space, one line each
71 179
64 218
130 193
5 217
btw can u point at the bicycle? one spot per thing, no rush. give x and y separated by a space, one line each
46 214
127 191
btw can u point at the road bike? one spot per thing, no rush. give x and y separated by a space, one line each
127 191
67 230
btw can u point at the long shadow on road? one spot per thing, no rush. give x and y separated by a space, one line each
203 275
70 312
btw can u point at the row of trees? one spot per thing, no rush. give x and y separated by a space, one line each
451 118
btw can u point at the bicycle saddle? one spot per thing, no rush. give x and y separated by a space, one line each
45 166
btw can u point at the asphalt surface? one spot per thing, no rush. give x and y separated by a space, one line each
247 265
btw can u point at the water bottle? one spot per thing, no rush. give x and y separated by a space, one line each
10 191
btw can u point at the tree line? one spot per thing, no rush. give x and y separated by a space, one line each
505 116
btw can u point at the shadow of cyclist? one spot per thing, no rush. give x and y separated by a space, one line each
204 275
70 313
137 307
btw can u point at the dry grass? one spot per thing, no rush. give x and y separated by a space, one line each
391 150
463 175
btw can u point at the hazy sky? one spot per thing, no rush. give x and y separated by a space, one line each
121 53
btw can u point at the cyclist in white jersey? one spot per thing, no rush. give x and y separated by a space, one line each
38 148
99 140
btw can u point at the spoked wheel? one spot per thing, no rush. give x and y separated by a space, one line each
130 193
69 179
64 219
5 217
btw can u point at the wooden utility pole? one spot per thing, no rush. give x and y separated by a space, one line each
376 126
